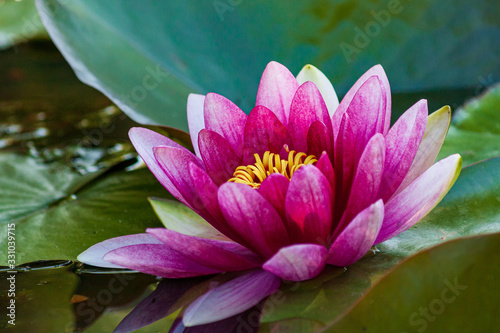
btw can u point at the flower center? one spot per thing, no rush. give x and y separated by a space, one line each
270 163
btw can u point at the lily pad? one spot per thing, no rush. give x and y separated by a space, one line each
475 129
448 288
59 213
470 208
223 46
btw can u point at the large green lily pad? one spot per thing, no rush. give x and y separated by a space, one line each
169 49
475 129
59 213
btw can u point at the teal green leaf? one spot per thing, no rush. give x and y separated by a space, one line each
19 22
58 213
449 288
475 129
470 208
148 56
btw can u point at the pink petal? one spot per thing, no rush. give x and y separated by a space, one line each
378 72
196 119
358 237
345 165
224 117
219 158
363 117
144 141
219 255
276 90
366 182
298 262
325 166
157 259
420 197
402 143
207 198
263 132
309 206
306 108
252 218
435 132
206 191
175 164
94 254
231 298
319 139
366 113
274 189
311 73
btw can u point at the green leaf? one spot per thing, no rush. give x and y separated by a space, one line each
19 22
470 208
448 288
177 216
29 186
58 213
169 49
475 129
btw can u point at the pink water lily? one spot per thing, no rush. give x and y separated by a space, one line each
299 183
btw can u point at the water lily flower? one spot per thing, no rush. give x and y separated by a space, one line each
301 182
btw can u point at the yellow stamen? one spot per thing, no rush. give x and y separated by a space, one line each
270 163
